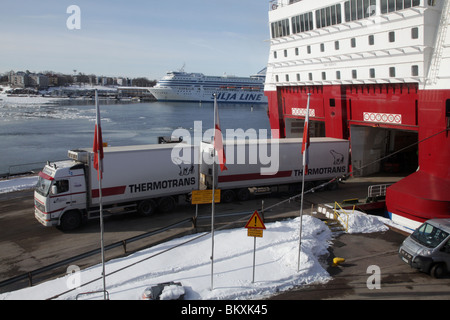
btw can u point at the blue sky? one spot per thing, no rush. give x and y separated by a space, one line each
135 38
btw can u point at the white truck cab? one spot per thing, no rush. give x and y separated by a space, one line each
61 188
428 248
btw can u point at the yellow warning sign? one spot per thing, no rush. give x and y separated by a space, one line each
205 196
255 233
255 222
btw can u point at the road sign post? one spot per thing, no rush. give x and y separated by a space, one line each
255 227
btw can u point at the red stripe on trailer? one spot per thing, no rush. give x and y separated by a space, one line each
254 176
107 192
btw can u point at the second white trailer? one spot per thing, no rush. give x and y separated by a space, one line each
273 162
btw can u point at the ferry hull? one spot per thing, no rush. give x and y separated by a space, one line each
197 95
423 194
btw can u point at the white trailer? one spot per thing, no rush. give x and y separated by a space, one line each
274 163
135 178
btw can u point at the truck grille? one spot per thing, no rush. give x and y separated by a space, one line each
39 206
405 255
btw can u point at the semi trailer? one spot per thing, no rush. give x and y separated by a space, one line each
147 178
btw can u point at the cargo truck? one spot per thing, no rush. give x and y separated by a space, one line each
135 178
274 165
147 178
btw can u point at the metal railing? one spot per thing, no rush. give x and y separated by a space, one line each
377 190
339 215
29 275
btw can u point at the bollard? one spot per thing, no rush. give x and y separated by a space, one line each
338 261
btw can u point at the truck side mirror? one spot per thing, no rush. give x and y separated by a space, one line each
54 189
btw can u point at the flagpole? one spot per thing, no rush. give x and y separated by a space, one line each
213 200
306 127
100 171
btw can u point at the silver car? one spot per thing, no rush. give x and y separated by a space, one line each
428 248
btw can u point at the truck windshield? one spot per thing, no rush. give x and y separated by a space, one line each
429 235
43 186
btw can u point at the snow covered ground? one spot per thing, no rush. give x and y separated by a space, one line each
187 260
18 184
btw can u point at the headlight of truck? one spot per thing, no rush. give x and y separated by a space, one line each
425 252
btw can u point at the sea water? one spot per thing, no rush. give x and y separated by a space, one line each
31 133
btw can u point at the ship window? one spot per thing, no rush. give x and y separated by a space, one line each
296 51
285 53
322 47
415 33
354 74
275 54
302 23
276 78
336 45
396 5
370 8
332 102
372 73
432 3
392 36
353 42
280 28
359 9
298 76
371 40
310 76
392 72
415 70
447 112
308 49
287 78
328 16
391 5
338 75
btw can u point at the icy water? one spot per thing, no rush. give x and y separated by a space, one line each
37 132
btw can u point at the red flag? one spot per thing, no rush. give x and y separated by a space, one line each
98 143
306 141
218 143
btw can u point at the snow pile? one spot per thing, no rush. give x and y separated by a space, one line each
172 292
359 222
190 264
18 184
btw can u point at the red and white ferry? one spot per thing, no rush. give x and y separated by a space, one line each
379 75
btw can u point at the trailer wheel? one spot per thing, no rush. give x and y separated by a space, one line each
146 208
228 196
243 194
167 204
71 220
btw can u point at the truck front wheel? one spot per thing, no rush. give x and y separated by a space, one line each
70 221
438 270
146 208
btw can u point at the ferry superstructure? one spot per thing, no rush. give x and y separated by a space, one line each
197 87
379 75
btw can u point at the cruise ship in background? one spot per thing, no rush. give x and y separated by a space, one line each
379 75
197 87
